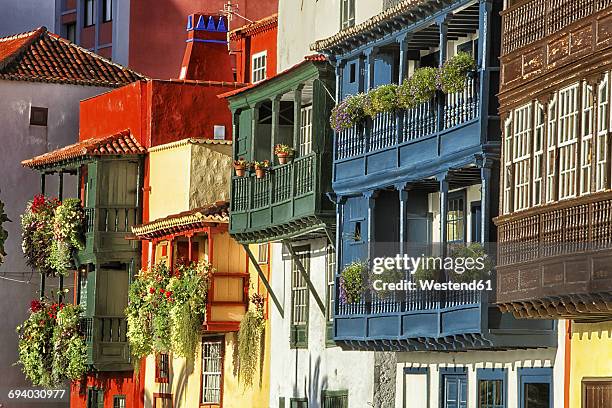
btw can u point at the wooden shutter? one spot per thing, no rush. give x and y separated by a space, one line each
597 394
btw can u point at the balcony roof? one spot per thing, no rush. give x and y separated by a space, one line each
185 221
189 141
118 144
256 27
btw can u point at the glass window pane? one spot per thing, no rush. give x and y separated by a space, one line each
537 395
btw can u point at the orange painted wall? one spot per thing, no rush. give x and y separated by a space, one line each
157 34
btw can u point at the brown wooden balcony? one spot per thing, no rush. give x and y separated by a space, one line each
555 261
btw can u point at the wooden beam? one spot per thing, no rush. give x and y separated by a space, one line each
264 280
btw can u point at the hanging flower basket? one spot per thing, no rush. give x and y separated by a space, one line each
38 235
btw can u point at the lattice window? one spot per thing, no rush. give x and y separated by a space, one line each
258 67
455 222
212 370
299 298
568 140
551 151
586 147
507 166
491 394
331 280
305 145
521 154
603 98
538 153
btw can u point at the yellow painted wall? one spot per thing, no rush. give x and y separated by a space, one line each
187 175
591 356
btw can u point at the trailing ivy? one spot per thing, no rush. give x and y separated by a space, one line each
249 340
352 285
3 233
165 313
37 226
68 234
51 348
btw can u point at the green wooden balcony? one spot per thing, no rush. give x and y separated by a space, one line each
107 345
287 202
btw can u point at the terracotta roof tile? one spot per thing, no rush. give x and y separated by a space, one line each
217 212
40 56
401 8
255 27
122 143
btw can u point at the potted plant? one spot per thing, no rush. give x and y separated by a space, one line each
260 168
240 166
283 152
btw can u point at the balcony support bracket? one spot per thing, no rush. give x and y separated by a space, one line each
264 280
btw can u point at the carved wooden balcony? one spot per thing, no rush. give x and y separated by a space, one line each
555 261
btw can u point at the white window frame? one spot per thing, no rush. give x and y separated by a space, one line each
551 150
521 155
347 13
538 153
262 253
567 140
331 281
586 135
259 63
305 143
508 165
603 118
214 372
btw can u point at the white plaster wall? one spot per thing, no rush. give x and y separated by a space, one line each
20 141
305 372
473 360
300 23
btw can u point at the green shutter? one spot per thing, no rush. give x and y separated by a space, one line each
334 399
100 398
281 402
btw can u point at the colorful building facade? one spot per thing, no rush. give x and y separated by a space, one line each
554 93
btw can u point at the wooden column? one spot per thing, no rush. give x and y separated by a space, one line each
403 58
371 198
442 23
297 116
370 55
339 68
484 66
485 200
403 203
443 180
275 123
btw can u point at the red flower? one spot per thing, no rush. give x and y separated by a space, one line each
161 290
168 294
151 290
35 306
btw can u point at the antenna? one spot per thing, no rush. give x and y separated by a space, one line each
230 10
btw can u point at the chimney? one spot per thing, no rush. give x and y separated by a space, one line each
207 57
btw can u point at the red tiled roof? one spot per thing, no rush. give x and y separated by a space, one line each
122 143
308 58
255 27
40 56
185 221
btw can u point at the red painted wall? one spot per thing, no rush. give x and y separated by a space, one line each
128 383
245 46
157 34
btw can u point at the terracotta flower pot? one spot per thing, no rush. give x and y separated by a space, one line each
240 171
284 158
260 172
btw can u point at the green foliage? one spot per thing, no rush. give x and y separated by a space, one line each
165 312
37 227
3 233
381 99
472 251
352 283
451 77
419 88
348 113
68 234
51 349
426 272
391 275
249 340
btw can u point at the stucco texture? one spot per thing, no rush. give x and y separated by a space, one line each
591 356
187 175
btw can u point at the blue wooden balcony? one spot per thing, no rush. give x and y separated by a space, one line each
434 320
408 145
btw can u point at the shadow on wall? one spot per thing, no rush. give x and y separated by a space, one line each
313 381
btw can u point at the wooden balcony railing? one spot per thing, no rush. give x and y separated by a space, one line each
110 218
281 184
381 132
408 301
574 226
105 329
532 20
